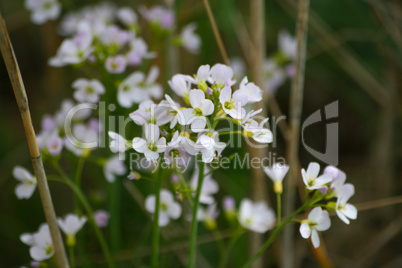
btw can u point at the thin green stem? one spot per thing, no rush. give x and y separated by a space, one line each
155 238
77 179
278 210
114 204
275 233
194 222
72 257
225 256
87 207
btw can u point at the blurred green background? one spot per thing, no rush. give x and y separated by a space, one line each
354 56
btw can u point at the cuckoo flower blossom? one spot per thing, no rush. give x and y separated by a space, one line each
195 116
256 217
42 249
114 167
233 105
152 145
88 90
189 39
169 208
344 210
311 178
43 10
118 143
253 92
25 189
70 225
318 220
277 173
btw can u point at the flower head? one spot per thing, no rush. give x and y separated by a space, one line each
114 167
344 210
311 178
169 209
88 90
43 10
233 105
256 217
42 248
27 185
189 39
152 145
277 173
70 225
318 220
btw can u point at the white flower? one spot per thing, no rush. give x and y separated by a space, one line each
209 186
208 215
118 143
116 64
180 85
43 10
256 217
114 166
42 249
146 113
277 173
318 220
343 209
152 145
138 52
203 75
196 116
83 139
127 16
183 140
257 131
25 189
27 239
339 178
66 107
287 44
311 178
101 218
253 92
274 75
136 88
190 40
208 143
70 225
168 111
169 209
73 51
128 91
88 90
222 75
54 145
158 15
233 105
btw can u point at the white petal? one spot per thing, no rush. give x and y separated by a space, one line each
207 107
196 97
305 230
199 124
313 170
24 190
315 239
150 203
39 254
140 145
350 211
174 210
152 132
226 95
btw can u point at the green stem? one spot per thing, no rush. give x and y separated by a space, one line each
72 258
194 222
275 233
87 207
114 204
279 213
225 256
77 180
155 238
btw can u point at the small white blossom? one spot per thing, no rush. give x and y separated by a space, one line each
253 92
233 105
203 75
27 185
138 52
43 10
168 111
101 218
274 75
127 16
153 145
257 216
287 44
83 139
118 143
88 90
183 140
257 131
222 75
42 249
116 64
180 85
208 143
277 173
344 210
195 116
311 178
169 209
318 220
158 15
70 225
114 167
189 39
145 114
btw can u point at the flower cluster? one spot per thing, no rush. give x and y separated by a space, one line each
331 184
182 131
